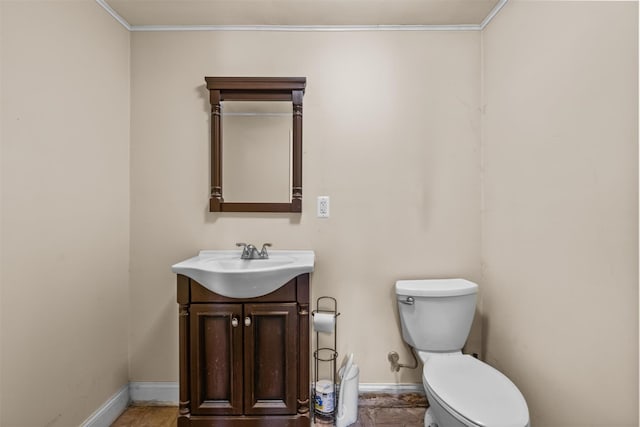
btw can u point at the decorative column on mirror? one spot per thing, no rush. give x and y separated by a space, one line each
296 188
216 152
184 411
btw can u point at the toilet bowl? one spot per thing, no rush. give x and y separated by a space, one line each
471 392
462 391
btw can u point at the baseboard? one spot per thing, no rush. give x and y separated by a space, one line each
154 393
390 388
166 393
106 414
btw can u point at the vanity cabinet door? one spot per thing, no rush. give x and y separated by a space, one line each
216 359
271 358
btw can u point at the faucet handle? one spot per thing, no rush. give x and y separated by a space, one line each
246 250
263 251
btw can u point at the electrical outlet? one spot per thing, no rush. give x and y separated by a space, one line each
323 206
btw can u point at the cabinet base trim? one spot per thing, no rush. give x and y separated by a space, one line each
248 421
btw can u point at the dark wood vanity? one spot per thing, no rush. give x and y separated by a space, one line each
244 362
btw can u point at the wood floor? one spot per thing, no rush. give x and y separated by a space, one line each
405 410
148 416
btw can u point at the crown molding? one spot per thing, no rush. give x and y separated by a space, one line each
492 14
303 28
115 14
306 28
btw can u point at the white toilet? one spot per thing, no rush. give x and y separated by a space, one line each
436 317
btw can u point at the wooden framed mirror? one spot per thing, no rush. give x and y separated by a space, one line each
256 143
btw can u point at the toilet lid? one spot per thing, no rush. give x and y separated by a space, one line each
476 391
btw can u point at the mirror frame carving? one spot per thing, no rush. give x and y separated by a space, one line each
255 89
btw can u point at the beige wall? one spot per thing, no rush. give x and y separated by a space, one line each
560 210
65 211
391 134
1 199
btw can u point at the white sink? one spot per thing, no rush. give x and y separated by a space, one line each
224 273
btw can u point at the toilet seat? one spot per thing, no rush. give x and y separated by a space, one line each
475 392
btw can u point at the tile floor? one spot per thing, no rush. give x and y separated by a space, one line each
403 410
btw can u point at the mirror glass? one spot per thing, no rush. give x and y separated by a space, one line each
256 151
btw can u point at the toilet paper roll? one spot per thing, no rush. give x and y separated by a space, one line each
324 397
324 322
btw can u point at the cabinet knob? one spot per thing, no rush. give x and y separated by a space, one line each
234 322
247 321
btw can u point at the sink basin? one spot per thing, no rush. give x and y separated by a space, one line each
224 273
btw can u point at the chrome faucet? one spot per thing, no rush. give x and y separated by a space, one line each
251 252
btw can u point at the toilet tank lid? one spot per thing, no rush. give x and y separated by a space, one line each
435 287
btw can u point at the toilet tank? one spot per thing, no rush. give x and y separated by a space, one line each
436 315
